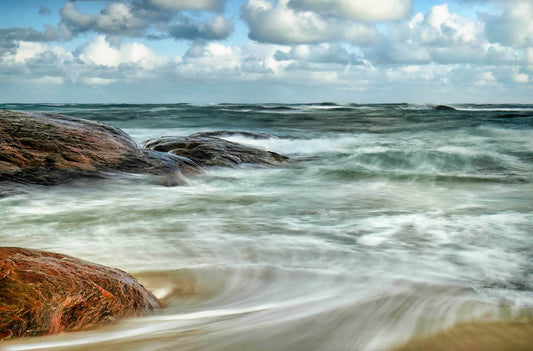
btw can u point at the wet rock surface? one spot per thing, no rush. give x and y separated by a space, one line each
214 151
45 148
443 108
47 293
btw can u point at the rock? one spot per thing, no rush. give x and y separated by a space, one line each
51 149
443 108
6 191
209 151
46 293
163 160
230 133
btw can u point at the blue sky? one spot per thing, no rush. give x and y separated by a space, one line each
209 51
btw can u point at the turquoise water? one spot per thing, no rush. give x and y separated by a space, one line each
392 221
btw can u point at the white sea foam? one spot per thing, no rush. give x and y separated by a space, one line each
378 230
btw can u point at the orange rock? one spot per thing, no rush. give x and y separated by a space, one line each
51 149
46 293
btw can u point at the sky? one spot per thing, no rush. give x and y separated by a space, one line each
286 51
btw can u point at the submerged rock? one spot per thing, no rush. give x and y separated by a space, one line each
443 108
51 149
46 293
211 151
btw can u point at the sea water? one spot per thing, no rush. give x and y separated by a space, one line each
391 222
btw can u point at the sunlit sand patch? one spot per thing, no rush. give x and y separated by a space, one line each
476 336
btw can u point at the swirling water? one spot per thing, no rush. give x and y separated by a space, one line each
391 223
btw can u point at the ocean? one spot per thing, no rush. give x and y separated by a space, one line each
392 224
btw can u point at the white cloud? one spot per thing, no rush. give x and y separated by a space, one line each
514 27
484 79
49 80
496 54
220 26
518 77
25 51
98 81
283 25
443 25
322 53
376 10
300 47
438 37
99 52
211 61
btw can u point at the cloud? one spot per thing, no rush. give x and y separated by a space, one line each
43 10
364 10
514 27
322 50
284 25
115 18
98 63
259 71
211 58
8 36
323 53
318 58
441 26
216 28
134 19
438 37
32 61
196 5
25 51
47 80
98 81
99 52
519 77
529 58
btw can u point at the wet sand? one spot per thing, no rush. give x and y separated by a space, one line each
476 336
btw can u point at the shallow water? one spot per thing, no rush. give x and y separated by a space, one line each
393 222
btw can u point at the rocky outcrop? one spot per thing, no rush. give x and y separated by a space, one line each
44 148
214 151
50 149
46 293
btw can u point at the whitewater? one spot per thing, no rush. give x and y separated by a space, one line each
391 224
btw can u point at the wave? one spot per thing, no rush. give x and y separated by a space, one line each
362 174
495 107
394 223
366 155
327 316
437 161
